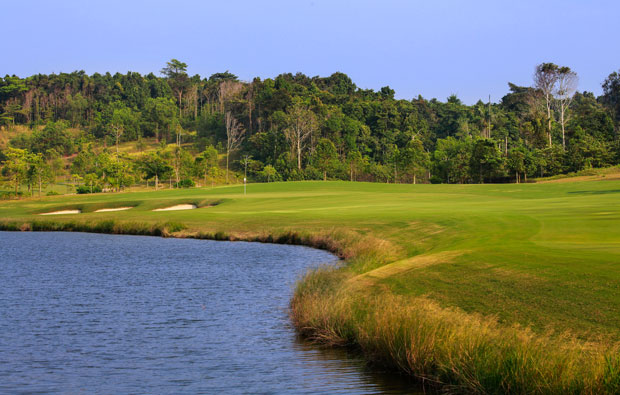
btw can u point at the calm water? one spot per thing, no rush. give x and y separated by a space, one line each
83 313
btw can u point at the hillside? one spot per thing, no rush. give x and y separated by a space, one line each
294 127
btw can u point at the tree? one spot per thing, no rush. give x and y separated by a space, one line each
16 166
586 152
161 114
564 91
394 158
39 172
553 161
119 173
234 137
545 78
486 160
206 161
53 136
92 181
227 89
269 172
611 94
324 156
85 161
516 162
452 160
182 164
246 160
414 159
154 166
301 122
355 161
118 125
176 72
55 162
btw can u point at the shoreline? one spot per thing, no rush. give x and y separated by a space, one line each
466 353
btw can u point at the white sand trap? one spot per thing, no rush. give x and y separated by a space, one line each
61 212
177 207
107 210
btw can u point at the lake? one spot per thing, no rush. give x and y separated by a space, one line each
102 313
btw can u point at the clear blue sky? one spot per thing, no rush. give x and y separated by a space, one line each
432 48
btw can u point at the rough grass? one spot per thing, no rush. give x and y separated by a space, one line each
446 348
482 288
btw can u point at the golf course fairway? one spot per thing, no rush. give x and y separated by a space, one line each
473 288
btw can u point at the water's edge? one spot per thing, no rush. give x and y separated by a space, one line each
175 230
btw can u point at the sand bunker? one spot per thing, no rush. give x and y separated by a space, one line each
61 212
106 210
177 207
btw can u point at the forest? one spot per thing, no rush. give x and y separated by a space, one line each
108 132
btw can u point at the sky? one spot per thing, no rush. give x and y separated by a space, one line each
429 48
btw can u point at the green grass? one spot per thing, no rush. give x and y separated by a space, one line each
500 258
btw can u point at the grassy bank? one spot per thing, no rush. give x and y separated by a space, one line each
487 288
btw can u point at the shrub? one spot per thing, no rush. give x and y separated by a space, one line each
436 180
5 195
84 189
185 183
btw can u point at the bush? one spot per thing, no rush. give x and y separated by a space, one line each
436 180
84 189
186 183
52 193
295 175
6 195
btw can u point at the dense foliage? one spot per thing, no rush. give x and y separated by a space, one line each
295 127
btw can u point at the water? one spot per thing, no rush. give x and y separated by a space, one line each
91 313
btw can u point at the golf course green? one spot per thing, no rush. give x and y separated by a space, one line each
475 288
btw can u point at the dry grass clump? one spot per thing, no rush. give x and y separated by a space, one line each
460 352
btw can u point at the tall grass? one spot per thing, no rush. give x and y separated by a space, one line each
452 350
164 229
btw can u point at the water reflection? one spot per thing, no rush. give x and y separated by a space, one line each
348 366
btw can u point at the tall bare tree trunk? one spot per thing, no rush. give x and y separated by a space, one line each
562 124
549 119
180 104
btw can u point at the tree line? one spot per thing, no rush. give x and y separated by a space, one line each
295 127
